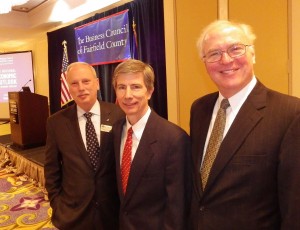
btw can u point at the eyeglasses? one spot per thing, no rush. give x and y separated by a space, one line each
233 51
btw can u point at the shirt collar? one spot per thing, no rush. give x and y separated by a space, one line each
139 127
94 110
239 98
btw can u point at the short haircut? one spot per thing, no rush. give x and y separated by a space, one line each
82 64
246 29
135 66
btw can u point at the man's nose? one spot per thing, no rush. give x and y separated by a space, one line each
128 92
225 58
80 86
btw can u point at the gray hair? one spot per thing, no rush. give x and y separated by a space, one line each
82 64
246 29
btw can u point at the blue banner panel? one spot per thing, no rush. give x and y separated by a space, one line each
104 41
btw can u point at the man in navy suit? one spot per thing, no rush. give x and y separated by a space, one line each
254 180
81 195
158 186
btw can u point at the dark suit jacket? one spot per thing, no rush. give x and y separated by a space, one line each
254 182
77 194
158 184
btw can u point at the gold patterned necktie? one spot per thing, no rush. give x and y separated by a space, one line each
126 160
92 143
214 143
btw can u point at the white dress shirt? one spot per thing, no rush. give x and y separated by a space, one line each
96 119
236 102
138 129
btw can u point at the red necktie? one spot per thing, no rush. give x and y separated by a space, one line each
126 160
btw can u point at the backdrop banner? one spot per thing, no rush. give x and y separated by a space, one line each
105 40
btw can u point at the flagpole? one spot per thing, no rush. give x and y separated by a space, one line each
64 93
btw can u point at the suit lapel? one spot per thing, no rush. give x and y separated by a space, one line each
199 136
247 118
105 132
118 127
142 157
74 130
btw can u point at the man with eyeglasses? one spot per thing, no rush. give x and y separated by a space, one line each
246 155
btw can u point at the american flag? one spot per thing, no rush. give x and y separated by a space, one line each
64 93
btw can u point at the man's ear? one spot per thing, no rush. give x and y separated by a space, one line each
253 58
98 80
150 92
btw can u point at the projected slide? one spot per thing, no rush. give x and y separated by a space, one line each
16 71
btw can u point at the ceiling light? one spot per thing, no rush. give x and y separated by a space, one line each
6 5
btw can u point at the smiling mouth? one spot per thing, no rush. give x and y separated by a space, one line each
129 104
82 95
228 71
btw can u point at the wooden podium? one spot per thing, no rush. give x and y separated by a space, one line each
28 116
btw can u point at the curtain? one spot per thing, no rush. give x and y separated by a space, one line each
149 20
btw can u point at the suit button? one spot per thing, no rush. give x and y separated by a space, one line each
201 208
97 204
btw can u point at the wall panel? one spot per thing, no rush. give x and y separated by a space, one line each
269 21
193 81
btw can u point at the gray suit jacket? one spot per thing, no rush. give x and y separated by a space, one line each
79 197
159 182
254 181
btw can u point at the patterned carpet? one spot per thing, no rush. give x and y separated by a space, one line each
22 203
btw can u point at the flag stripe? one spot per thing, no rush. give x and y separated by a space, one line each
64 93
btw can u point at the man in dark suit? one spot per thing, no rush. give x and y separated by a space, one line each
254 180
82 195
155 193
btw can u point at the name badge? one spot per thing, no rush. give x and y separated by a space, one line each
105 128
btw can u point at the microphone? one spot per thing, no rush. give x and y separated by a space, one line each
25 85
